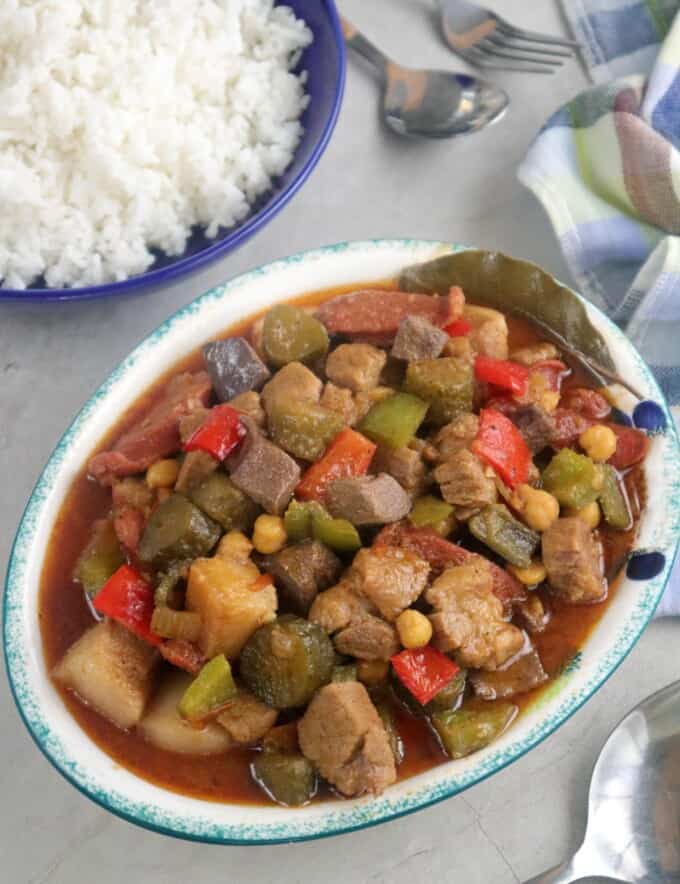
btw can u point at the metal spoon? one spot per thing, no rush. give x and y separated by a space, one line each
633 829
429 104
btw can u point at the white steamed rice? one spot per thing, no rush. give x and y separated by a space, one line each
123 123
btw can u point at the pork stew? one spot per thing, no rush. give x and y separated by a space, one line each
344 543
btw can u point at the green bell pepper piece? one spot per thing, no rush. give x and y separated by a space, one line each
450 696
432 512
394 421
289 779
100 559
463 731
222 501
384 710
292 335
297 519
613 501
337 534
496 527
346 672
446 384
211 688
573 479
304 429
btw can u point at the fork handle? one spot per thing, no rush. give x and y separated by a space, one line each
356 40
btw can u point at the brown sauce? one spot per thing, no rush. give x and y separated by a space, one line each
64 616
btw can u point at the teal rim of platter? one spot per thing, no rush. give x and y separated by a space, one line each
338 817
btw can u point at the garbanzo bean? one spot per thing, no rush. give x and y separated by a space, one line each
269 534
539 509
415 630
598 442
162 474
590 514
530 576
372 672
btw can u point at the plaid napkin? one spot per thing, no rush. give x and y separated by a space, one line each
606 168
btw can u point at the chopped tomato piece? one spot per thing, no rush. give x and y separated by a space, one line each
424 671
459 328
503 373
502 446
220 434
348 455
553 372
631 447
569 425
128 598
587 402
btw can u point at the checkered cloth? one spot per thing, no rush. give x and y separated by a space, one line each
606 168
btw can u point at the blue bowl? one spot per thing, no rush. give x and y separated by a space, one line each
324 62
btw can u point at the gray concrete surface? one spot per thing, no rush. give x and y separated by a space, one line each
369 184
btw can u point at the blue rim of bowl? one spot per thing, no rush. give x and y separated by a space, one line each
153 279
194 826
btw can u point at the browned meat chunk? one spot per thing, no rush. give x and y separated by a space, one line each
340 400
189 423
368 500
335 608
456 436
417 338
391 579
342 734
468 617
250 405
406 465
356 366
234 367
489 335
183 654
535 424
534 613
112 670
573 559
263 471
292 383
133 501
157 434
247 719
368 638
301 572
525 673
196 466
534 353
465 484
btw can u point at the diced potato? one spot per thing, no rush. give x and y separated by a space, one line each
489 335
220 591
112 670
163 727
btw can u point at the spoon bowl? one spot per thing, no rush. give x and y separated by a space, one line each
633 832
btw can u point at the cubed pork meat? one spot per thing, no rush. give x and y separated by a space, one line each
157 434
367 638
234 367
535 424
355 366
196 466
301 572
456 436
189 423
469 618
405 464
340 400
368 500
263 471
292 383
133 501
342 735
417 338
250 405
489 335
465 484
112 670
573 559
335 608
247 719
523 674
390 578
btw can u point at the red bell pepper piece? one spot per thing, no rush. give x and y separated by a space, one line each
502 446
587 402
128 598
348 455
459 328
424 671
220 434
503 373
631 446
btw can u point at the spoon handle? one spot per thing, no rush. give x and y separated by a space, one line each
356 40
562 874
584 864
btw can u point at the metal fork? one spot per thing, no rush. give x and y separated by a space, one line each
486 40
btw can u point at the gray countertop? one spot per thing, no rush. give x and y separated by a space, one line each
369 184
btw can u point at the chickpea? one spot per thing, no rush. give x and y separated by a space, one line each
590 514
162 474
269 534
598 442
531 576
538 508
415 630
372 672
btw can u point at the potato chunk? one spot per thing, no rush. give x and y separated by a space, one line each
112 670
220 591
